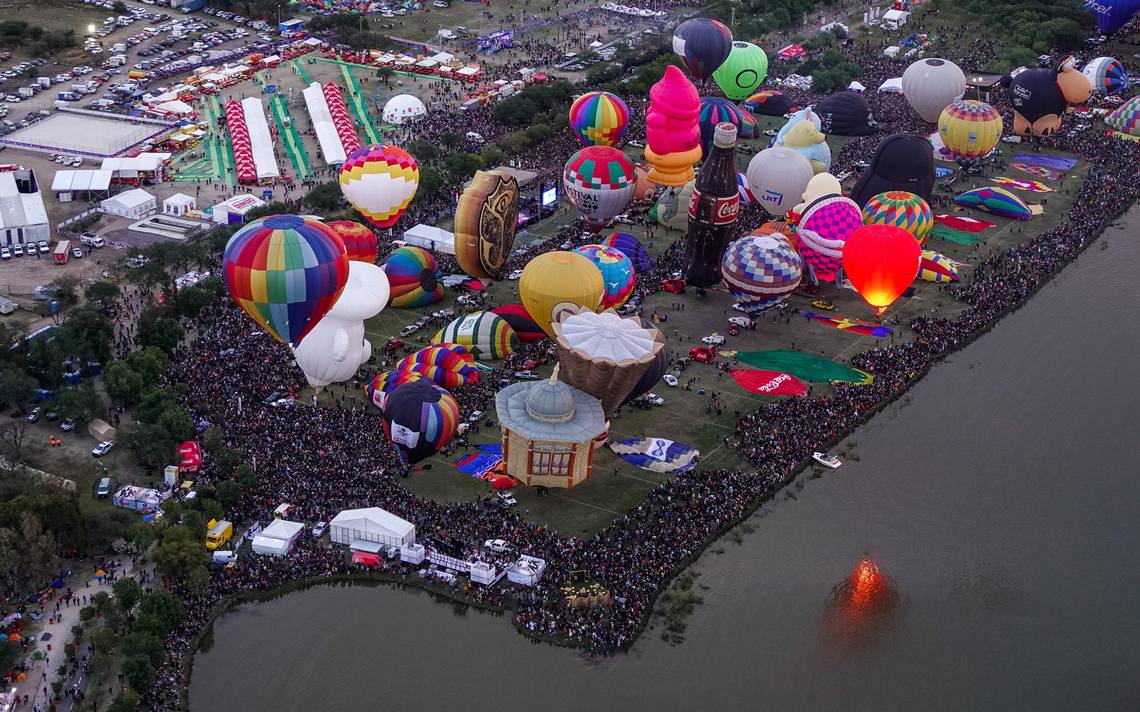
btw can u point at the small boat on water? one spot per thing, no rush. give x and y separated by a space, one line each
827 460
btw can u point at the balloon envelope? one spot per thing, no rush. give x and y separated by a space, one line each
413 276
970 129
715 110
380 181
769 102
901 209
845 114
525 327
285 272
558 284
901 162
420 418
742 72
487 336
1107 75
618 277
777 177
599 118
485 223
930 85
824 228
1111 15
448 365
881 261
359 242
599 181
1126 118
384 383
702 44
760 271
631 247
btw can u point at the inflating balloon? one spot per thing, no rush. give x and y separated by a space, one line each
631 247
881 261
487 336
1111 15
970 129
599 181
778 177
558 284
824 228
384 383
901 162
380 181
420 419
930 85
760 271
1107 75
742 72
285 272
336 347
846 114
359 242
672 208
769 102
1125 120
525 327
448 365
937 267
715 110
702 44
485 223
673 129
1039 97
618 276
599 118
901 209
414 277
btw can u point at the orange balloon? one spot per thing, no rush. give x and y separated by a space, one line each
881 261
21 677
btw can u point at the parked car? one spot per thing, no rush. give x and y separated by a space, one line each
499 546
319 529
34 415
507 498
52 415
713 339
67 425
670 380
102 448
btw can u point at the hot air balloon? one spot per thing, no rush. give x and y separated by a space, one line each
901 162
604 354
487 336
420 418
1111 15
672 129
448 365
618 277
485 223
1107 75
672 208
524 326
761 270
599 181
825 225
769 102
384 383
631 247
557 284
881 261
998 201
380 181
930 85
937 267
644 188
285 272
336 348
802 134
1039 97
359 242
845 114
659 367
970 129
715 110
742 72
1126 118
414 277
702 44
901 209
599 118
778 177
657 454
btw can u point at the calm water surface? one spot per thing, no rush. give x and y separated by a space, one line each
1002 498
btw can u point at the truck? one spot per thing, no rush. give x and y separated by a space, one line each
44 82
116 60
62 252
83 87
92 240
68 96
26 92
218 534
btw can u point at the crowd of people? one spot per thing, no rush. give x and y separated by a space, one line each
324 459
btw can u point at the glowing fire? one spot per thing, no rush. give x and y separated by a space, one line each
862 604
867 583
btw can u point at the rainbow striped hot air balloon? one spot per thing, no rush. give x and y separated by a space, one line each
413 277
487 336
969 129
901 209
384 383
286 272
420 418
449 365
618 277
599 118
380 181
359 242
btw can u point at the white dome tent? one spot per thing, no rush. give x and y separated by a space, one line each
403 108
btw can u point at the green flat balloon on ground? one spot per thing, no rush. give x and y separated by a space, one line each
804 365
742 72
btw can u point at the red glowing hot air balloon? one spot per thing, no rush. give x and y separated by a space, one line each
880 261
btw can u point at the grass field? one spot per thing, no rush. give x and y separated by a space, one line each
55 15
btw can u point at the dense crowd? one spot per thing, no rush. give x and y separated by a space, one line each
323 459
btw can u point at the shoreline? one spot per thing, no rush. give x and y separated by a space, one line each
235 600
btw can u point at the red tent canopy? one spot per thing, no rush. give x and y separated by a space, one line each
191 455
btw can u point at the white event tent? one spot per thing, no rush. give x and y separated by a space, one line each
371 525
278 538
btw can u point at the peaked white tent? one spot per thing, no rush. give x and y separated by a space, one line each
327 136
403 107
372 525
892 86
261 141
278 538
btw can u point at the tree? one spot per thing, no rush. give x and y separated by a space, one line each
124 384
149 363
86 335
65 286
105 640
150 442
539 132
9 559
212 509
163 332
384 74
12 436
139 672
179 553
144 644
245 475
82 404
430 183
126 701
450 140
39 560
192 300
227 493
325 198
515 111
164 607
127 593
178 423
142 535
461 166
491 154
102 293
17 386
45 361
119 7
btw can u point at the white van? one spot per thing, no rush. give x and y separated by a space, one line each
92 240
103 491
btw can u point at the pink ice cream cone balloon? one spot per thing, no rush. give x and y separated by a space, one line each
673 129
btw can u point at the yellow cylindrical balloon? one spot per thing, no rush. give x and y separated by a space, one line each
970 129
558 284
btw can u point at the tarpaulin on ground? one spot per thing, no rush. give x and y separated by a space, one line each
1040 171
478 464
1061 163
866 328
1033 186
769 383
656 454
958 237
804 365
964 224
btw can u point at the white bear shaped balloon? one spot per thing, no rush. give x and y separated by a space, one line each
335 348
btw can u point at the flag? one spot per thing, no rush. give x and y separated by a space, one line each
1032 186
965 224
858 326
1039 171
769 383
